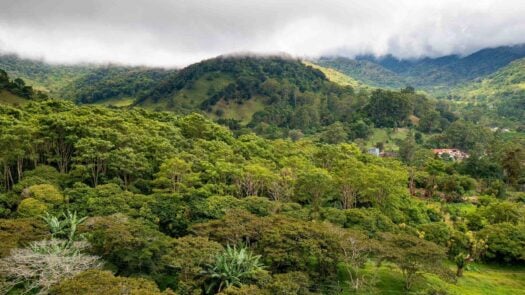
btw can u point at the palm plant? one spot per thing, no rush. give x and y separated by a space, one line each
65 227
232 267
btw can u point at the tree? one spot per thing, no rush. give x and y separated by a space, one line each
189 256
128 164
334 134
255 179
94 153
466 135
388 108
504 242
41 198
313 187
413 256
285 244
348 176
175 172
513 163
133 246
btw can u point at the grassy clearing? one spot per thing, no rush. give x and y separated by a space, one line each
242 112
338 77
7 97
479 280
117 102
388 137
201 90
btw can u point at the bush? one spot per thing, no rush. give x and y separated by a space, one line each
105 283
45 263
438 232
18 232
131 245
504 242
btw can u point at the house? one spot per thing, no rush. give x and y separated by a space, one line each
455 154
389 154
374 151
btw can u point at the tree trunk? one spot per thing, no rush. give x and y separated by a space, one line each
459 272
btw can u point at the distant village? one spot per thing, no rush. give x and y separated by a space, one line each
445 154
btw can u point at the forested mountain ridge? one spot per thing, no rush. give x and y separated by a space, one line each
84 83
432 74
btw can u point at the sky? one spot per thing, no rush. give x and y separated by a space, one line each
180 32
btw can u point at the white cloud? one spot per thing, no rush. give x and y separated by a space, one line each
179 32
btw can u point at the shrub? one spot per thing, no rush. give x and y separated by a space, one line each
105 283
45 263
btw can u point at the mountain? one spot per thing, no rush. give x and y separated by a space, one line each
432 74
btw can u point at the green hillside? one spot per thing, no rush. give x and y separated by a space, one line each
236 87
112 83
503 91
337 76
16 91
85 83
47 77
364 71
7 97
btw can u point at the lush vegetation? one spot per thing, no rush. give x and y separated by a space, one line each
106 200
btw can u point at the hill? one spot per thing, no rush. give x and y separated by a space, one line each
235 87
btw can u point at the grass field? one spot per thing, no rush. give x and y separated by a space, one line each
388 137
338 77
117 102
242 112
479 280
7 97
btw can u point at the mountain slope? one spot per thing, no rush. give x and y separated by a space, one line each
112 83
16 91
49 78
338 77
364 71
85 83
217 84
504 90
432 74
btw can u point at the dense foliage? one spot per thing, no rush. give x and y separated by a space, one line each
165 202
